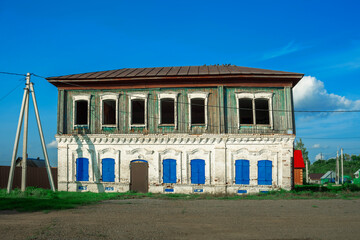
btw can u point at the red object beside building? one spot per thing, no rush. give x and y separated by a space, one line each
299 165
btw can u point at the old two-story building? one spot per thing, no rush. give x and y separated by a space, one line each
204 129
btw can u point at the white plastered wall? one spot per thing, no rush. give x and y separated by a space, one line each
218 151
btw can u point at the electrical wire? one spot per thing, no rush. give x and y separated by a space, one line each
228 107
9 73
3 97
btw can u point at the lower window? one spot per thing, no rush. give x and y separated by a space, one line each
108 170
242 172
82 169
169 171
197 171
265 172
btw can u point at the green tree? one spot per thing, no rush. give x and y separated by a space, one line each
299 145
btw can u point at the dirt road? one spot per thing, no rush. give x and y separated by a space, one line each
190 219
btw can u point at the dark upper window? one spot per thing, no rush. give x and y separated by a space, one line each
246 111
109 112
197 111
167 112
262 111
81 112
138 111
254 111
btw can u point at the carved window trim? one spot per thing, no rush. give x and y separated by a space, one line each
170 95
81 98
136 96
253 96
205 96
109 96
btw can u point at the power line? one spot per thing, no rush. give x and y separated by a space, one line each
9 73
228 107
3 97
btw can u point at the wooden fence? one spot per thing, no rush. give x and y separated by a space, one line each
35 177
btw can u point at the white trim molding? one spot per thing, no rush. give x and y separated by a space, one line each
109 96
171 153
253 96
134 96
203 95
76 98
171 95
109 153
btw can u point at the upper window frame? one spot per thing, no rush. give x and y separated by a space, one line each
141 96
109 96
205 96
79 98
253 96
171 95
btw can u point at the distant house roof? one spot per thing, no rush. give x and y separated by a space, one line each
315 176
328 174
31 162
298 159
161 75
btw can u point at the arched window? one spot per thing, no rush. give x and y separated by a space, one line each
242 171
82 169
169 171
197 171
108 170
265 172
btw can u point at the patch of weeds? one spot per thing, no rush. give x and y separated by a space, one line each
122 203
314 206
183 211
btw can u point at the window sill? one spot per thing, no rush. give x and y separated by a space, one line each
81 127
198 125
105 127
166 125
137 126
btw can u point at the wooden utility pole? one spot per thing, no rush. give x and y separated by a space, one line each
337 168
306 171
25 110
342 166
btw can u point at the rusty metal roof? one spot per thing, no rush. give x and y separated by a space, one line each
205 70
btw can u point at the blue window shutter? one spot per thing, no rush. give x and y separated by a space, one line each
202 172
166 171
82 169
261 172
268 172
197 171
108 170
245 172
242 172
172 170
238 172
79 169
86 169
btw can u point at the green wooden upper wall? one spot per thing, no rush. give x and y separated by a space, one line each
222 111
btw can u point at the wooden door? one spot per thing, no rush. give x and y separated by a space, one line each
139 181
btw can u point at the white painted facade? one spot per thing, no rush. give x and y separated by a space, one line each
218 150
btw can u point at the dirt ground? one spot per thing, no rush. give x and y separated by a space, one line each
190 219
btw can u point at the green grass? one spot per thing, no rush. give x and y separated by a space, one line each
37 199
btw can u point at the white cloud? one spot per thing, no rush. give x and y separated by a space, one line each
318 157
53 144
316 145
289 48
310 94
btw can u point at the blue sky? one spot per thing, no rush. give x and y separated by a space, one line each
317 38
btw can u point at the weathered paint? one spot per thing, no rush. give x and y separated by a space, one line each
222 112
